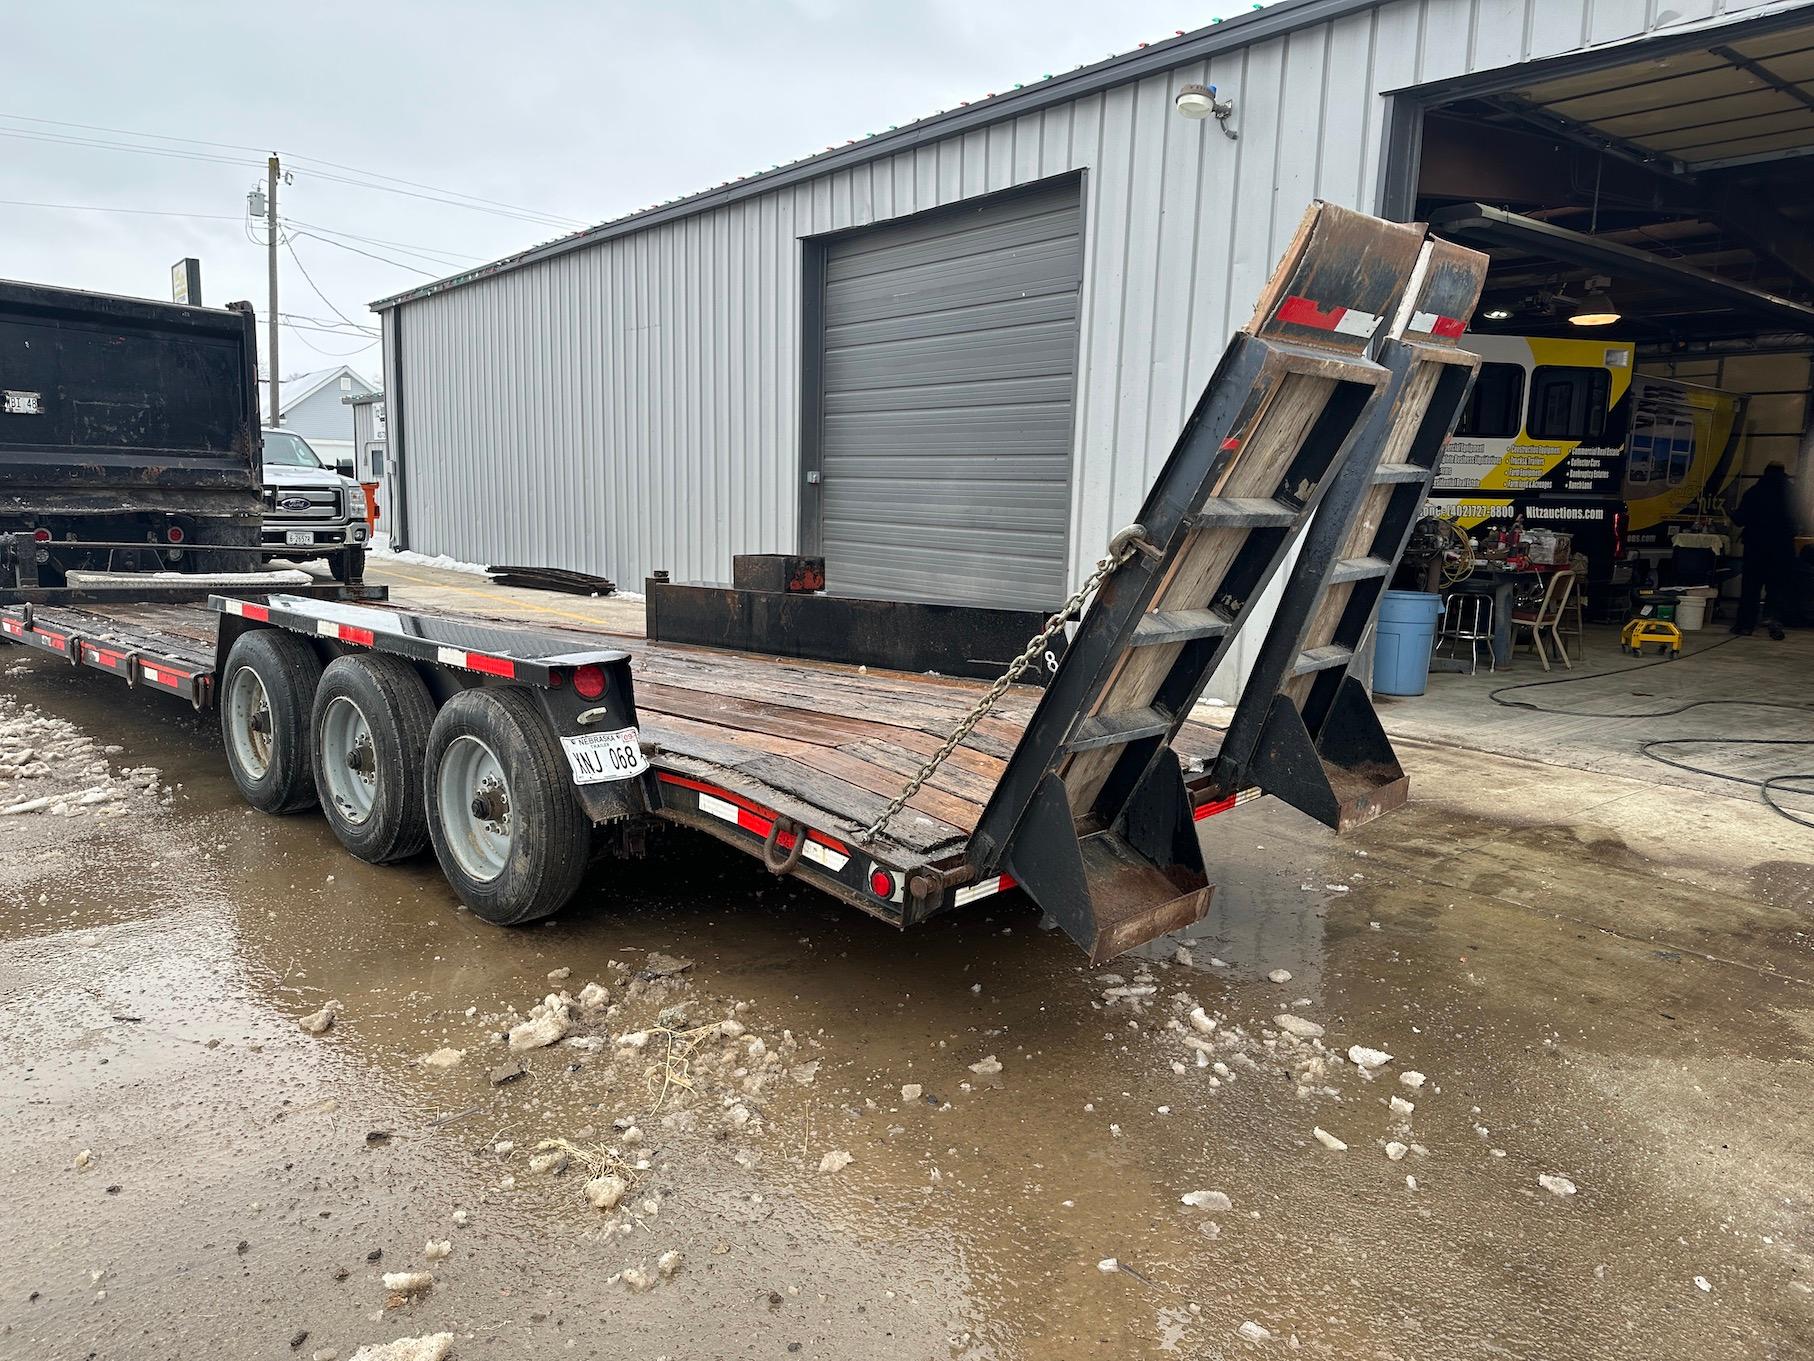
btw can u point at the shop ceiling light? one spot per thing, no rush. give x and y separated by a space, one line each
1596 308
1498 313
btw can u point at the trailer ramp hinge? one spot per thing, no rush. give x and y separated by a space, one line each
772 843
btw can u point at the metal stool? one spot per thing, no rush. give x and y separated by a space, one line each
1468 617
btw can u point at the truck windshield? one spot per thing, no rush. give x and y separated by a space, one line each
290 451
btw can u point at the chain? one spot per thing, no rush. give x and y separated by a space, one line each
1122 547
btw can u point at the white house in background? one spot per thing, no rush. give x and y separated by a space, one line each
313 405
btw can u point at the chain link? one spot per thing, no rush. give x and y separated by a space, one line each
1122 547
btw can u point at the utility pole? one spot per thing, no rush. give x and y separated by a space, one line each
272 170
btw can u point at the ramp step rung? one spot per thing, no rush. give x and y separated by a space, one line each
1359 569
1244 512
1322 658
1117 730
1400 472
1178 626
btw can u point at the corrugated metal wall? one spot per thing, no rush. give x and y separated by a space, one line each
635 404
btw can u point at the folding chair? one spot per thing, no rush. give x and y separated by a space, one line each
1547 618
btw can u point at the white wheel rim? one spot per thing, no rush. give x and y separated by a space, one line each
249 722
474 801
349 760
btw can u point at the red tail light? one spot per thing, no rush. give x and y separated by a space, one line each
589 681
174 533
41 535
881 883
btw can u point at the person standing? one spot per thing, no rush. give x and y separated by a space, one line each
1769 564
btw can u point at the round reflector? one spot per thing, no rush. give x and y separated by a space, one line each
174 533
41 535
881 883
589 681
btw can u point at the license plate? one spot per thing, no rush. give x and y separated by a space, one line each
299 538
600 756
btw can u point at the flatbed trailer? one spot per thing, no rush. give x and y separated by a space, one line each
520 752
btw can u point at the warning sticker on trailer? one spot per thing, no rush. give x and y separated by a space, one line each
600 756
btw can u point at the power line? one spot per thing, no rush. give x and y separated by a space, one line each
368 255
435 255
290 246
103 208
366 177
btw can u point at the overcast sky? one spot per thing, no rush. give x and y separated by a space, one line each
577 112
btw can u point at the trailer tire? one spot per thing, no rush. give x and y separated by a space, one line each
266 693
369 729
509 834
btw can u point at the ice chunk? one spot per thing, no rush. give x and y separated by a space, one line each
408 1282
1280 976
1328 1140
604 1192
1702 1284
1411 1078
669 1262
1297 1025
1253 1332
835 1161
542 1030
429 1347
1108 1264
317 1023
1400 1106
1368 1059
1207 1200
1555 1185
436 1248
911 1091
443 1058
592 997
1396 1151
1202 1022
986 1067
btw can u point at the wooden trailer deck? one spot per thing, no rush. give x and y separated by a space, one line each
825 744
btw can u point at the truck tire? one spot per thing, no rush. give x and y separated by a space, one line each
266 693
369 727
506 828
348 564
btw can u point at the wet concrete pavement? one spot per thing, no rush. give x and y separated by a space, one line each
1602 979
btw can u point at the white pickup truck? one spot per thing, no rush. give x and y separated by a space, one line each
310 509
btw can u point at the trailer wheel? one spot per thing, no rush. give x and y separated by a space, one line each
371 721
506 828
266 693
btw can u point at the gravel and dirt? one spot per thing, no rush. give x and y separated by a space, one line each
1471 1082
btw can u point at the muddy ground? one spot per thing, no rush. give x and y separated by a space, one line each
1601 981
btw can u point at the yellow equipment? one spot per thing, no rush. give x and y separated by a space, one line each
1640 630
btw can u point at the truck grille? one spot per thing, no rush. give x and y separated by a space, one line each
301 503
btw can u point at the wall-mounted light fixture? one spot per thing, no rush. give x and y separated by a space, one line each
1199 101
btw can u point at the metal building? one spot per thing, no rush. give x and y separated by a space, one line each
951 356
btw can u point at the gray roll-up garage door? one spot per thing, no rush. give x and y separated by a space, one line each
946 377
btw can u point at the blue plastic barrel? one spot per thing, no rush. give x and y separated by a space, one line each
1403 640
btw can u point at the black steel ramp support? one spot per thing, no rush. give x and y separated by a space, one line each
1305 729
1091 813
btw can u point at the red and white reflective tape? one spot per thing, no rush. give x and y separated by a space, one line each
1348 321
739 814
246 609
476 661
13 626
1214 806
162 675
1435 324
346 633
982 888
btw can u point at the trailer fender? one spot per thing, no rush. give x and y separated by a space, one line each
572 712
